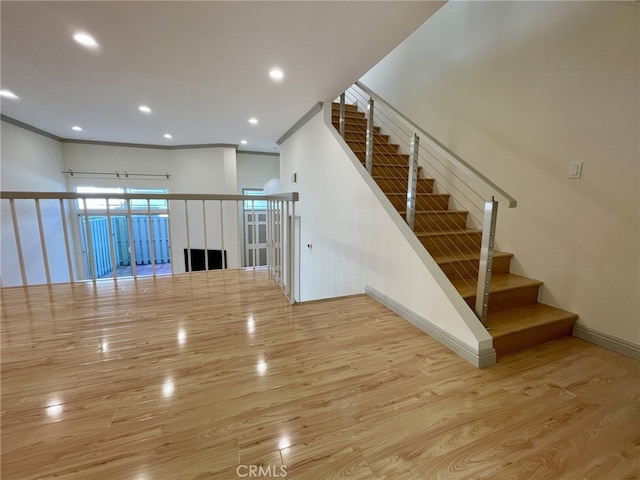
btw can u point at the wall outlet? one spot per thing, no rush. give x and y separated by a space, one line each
575 170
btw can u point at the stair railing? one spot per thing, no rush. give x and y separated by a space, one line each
468 188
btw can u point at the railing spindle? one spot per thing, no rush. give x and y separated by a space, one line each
281 240
254 249
112 248
132 246
268 212
152 243
204 229
171 259
286 259
224 257
87 223
292 243
43 243
16 234
63 218
186 218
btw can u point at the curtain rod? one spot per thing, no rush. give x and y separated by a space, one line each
117 174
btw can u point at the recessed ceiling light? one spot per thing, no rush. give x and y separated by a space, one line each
144 109
8 94
253 121
85 40
77 128
243 142
276 74
168 136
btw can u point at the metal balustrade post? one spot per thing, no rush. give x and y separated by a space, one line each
413 181
342 100
486 258
369 140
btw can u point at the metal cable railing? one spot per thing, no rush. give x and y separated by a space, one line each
442 197
397 182
107 228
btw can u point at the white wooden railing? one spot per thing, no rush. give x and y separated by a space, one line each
48 237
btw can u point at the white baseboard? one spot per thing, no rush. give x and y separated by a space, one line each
607 341
478 359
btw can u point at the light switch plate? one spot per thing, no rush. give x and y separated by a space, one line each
575 170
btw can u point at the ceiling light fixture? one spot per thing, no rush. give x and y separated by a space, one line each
85 40
144 109
168 136
8 94
243 142
276 74
77 128
253 121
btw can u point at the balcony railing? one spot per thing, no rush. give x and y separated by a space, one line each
64 237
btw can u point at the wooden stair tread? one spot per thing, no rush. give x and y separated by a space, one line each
425 194
386 177
394 165
377 140
499 283
467 231
443 259
439 212
524 317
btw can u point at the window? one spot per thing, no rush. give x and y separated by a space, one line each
118 203
254 204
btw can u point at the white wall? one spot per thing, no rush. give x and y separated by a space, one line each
255 169
520 89
31 162
209 170
354 239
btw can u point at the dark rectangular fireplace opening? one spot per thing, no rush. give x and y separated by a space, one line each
197 259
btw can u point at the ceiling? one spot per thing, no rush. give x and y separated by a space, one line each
202 67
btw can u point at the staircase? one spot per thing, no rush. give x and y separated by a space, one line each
516 320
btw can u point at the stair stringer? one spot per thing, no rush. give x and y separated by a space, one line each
437 315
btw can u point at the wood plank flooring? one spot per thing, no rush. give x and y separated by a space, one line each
211 375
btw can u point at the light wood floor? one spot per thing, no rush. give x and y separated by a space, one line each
202 376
